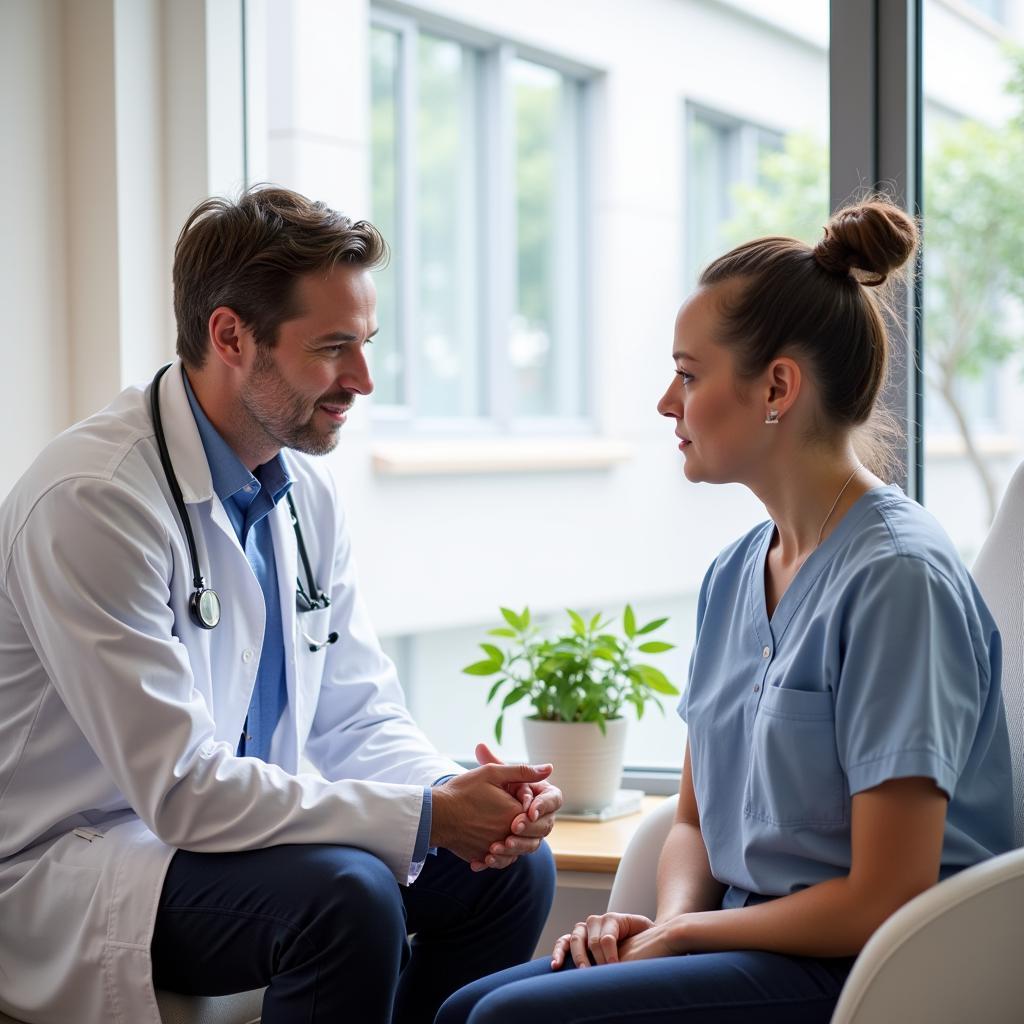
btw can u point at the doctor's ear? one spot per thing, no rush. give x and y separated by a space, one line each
784 378
227 335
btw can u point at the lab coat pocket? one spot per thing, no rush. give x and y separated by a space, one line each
313 633
794 779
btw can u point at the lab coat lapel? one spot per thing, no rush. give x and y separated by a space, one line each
221 556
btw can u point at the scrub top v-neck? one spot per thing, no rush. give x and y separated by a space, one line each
880 661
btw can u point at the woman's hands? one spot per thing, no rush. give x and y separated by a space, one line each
618 938
615 938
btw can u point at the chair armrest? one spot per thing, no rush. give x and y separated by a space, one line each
952 954
635 890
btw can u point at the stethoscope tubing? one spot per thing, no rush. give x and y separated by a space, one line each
204 604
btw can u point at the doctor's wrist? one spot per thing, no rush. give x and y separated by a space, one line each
441 800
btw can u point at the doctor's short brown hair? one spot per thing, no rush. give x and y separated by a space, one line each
248 254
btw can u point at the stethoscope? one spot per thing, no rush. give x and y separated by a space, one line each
204 604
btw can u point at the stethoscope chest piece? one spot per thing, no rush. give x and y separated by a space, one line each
205 608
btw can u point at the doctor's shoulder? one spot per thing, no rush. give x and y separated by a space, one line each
105 452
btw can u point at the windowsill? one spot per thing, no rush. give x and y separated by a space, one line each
596 847
532 455
951 446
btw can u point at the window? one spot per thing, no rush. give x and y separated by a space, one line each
994 9
477 181
723 154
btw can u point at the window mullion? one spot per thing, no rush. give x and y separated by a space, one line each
499 197
568 254
408 234
875 114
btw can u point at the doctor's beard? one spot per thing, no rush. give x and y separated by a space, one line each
285 416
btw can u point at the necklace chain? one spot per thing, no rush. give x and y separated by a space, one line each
842 491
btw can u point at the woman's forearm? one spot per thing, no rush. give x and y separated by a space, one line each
685 882
896 845
828 919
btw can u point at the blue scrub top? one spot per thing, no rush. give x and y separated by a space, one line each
881 661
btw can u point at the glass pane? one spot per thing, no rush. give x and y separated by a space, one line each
746 181
708 192
388 371
973 268
544 333
447 339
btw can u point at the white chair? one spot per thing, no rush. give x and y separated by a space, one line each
953 954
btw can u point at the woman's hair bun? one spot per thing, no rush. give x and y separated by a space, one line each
874 238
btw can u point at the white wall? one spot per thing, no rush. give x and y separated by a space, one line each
107 145
34 349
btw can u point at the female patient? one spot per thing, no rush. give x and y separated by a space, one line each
847 742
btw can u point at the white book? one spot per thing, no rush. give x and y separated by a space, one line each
627 801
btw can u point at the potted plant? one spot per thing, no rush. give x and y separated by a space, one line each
578 680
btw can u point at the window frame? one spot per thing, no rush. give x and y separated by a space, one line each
494 210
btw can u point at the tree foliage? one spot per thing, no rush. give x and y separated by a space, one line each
973 223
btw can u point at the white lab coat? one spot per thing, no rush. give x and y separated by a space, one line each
119 718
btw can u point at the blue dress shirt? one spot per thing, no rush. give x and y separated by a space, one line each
248 499
881 661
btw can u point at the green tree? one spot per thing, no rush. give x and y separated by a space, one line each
973 258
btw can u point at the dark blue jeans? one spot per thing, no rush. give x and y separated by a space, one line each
324 927
745 987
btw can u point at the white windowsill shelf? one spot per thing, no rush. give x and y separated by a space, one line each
540 455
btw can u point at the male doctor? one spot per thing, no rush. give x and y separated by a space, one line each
181 636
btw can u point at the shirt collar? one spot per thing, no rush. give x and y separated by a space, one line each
227 471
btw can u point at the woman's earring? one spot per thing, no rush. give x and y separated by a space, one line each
772 418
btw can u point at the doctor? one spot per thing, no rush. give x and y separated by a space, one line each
181 636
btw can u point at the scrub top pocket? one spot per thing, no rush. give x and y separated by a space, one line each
794 778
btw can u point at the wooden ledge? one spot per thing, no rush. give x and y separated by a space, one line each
596 846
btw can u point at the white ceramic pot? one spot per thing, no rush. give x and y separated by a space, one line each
588 763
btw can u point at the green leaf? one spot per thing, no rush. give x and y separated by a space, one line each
498 726
496 654
629 622
524 618
494 689
482 668
595 622
652 626
567 707
503 631
605 653
579 627
656 680
514 696
654 647
512 619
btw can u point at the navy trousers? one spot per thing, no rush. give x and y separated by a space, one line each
324 927
744 987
